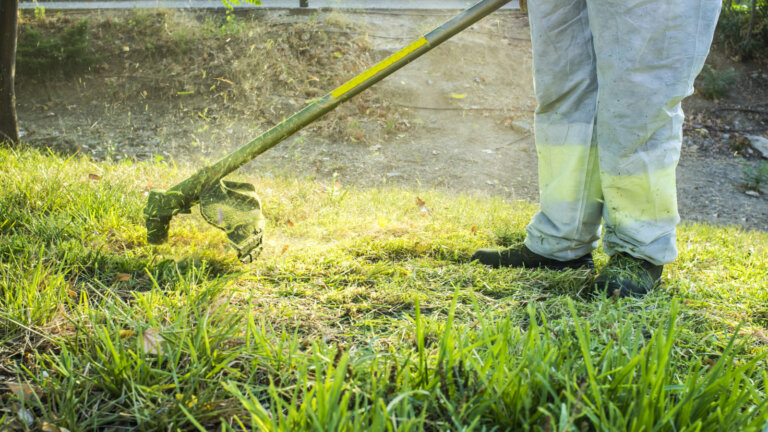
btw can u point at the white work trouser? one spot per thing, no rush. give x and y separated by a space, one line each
609 77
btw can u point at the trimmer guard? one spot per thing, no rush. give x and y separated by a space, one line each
234 208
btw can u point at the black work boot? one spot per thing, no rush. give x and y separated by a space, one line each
521 256
626 276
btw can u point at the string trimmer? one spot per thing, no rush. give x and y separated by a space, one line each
234 207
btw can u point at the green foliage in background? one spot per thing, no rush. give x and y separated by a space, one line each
65 49
230 4
743 28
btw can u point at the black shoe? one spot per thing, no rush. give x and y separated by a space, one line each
521 256
627 276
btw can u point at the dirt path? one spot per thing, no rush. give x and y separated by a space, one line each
469 103
464 114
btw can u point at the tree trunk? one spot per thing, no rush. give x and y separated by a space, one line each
9 18
752 13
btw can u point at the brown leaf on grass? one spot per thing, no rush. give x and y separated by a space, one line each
289 223
148 186
151 340
760 335
754 332
422 206
336 186
60 322
473 229
50 427
22 390
122 277
94 177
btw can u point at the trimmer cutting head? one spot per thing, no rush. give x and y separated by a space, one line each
233 207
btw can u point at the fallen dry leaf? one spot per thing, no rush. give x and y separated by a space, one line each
422 206
289 223
22 390
122 277
60 322
283 249
151 340
94 177
50 427
473 230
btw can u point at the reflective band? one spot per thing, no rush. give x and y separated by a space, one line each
354 82
637 198
562 172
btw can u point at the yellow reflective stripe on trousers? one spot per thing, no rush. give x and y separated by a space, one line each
630 198
560 167
354 82
643 197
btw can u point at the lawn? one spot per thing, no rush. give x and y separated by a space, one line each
363 313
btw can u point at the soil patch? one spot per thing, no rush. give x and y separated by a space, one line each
188 88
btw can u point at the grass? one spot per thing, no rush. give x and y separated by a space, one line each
362 314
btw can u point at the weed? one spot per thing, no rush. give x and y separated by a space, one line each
755 175
715 84
738 143
39 11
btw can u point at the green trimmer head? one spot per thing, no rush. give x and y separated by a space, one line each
234 207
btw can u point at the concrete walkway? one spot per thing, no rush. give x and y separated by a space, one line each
268 4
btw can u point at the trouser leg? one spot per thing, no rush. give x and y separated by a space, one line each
565 82
648 55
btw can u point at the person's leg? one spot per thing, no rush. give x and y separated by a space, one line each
567 228
568 225
648 55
